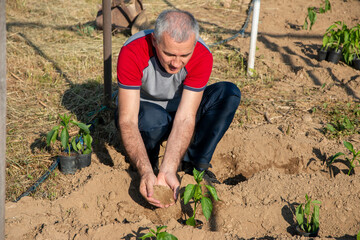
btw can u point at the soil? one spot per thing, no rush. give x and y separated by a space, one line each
266 166
164 194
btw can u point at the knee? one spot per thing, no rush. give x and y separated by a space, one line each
231 92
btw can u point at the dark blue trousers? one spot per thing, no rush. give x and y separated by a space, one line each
215 113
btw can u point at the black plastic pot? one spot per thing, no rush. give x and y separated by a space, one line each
356 63
70 164
300 232
322 54
334 56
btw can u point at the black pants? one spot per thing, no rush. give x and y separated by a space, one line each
214 116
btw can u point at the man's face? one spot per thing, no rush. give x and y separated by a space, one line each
172 55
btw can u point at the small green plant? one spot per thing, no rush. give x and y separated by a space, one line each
194 191
158 234
335 36
352 44
344 120
311 16
351 161
307 215
358 236
80 143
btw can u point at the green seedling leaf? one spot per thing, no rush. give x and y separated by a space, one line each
52 135
165 236
159 228
197 194
191 221
207 207
196 174
189 193
88 140
212 191
64 137
299 213
82 126
358 236
148 235
73 144
349 146
330 127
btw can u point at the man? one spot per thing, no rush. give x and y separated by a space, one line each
163 94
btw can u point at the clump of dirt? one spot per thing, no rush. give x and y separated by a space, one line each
164 194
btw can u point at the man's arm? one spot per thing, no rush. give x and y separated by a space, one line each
180 137
128 106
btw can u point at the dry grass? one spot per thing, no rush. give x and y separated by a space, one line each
55 66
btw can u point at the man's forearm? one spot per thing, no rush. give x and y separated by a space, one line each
177 144
135 147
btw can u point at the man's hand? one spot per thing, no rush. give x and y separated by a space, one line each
147 182
169 179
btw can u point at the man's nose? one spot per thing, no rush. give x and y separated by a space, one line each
176 62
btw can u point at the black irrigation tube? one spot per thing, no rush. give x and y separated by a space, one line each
56 162
241 32
40 180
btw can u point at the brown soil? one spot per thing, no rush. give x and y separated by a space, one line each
164 194
266 165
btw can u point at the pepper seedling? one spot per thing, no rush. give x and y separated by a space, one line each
308 219
350 147
194 191
158 234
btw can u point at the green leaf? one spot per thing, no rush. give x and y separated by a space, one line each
191 221
50 136
299 213
212 191
349 146
189 193
64 137
197 193
87 151
305 26
148 235
165 236
315 218
88 140
82 126
330 127
207 207
200 177
196 174
73 144
358 236
159 228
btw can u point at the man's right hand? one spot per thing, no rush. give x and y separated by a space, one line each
147 182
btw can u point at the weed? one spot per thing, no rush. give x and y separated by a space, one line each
308 219
194 191
158 234
345 120
351 161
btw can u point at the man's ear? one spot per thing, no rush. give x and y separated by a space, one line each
153 40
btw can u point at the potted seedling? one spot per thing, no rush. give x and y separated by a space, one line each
351 50
356 156
158 235
195 192
74 152
307 216
333 40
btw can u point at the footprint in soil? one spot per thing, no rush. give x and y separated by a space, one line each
164 194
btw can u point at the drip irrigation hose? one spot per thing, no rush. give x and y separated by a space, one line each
241 32
40 180
103 107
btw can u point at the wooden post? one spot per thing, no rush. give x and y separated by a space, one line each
106 7
2 116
